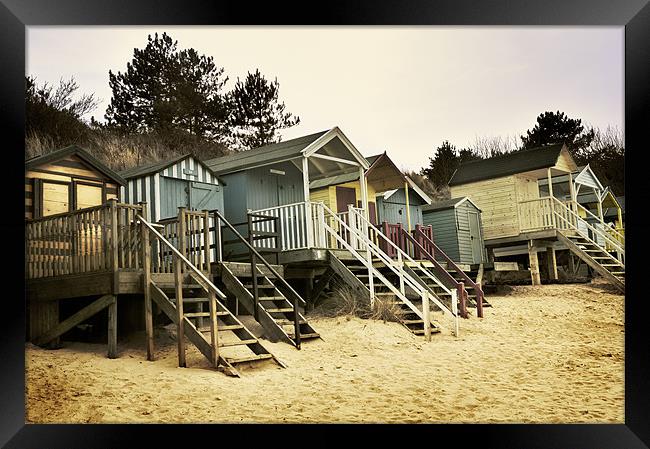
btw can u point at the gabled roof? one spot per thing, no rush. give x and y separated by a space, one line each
507 164
282 151
449 204
155 167
412 186
81 154
266 154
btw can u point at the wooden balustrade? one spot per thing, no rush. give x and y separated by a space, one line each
98 238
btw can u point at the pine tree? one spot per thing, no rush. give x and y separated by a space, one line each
255 113
556 127
165 90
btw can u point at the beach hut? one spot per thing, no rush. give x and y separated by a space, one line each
457 229
517 213
66 180
166 185
277 178
402 205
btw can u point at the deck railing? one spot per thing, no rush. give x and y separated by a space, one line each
99 238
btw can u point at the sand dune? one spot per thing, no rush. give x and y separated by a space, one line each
549 354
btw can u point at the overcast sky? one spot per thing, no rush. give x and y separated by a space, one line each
399 89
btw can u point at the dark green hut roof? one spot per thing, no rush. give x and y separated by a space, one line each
447 204
267 154
79 152
507 164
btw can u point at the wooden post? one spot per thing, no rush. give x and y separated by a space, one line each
550 193
408 207
490 254
426 316
552 263
460 291
364 193
146 285
115 263
112 329
534 264
308 218
178 282
572 264
214 328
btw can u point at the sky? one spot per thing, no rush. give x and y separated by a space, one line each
402 89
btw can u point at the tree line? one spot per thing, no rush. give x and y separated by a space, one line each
602 149
168 100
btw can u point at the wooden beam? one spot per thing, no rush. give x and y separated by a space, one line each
335 159
146 287
408 207
75 319
534 264
364 192
112 329
552 263
305 186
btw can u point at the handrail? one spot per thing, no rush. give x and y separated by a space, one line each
470 282
178 254
609 225
296 296
587 238
376 272
278 207
389 263
602 234
400 251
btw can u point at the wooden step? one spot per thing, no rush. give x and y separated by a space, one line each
305 336
282 310
264 286
191 300
271 298
196 314
238 343
250 358
434 330
412 321
222 327
285 322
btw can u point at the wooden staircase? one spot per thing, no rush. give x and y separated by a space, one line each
234 345
275 312
356 276
595 256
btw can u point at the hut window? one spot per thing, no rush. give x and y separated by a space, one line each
87 195
55 197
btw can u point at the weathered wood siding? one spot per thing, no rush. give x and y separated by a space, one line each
328 194
163 190
393 209
64 184
445 230
497 199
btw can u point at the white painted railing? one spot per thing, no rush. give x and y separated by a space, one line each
294 232
567 219
371 256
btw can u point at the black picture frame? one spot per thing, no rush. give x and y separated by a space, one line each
15 15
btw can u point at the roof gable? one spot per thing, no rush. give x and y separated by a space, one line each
82 154
451 203
588 178
286 150
155 167
509 164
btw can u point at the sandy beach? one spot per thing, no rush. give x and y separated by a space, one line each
550 354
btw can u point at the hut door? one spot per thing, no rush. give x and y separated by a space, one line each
205 196
475 237
174 193
345 196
